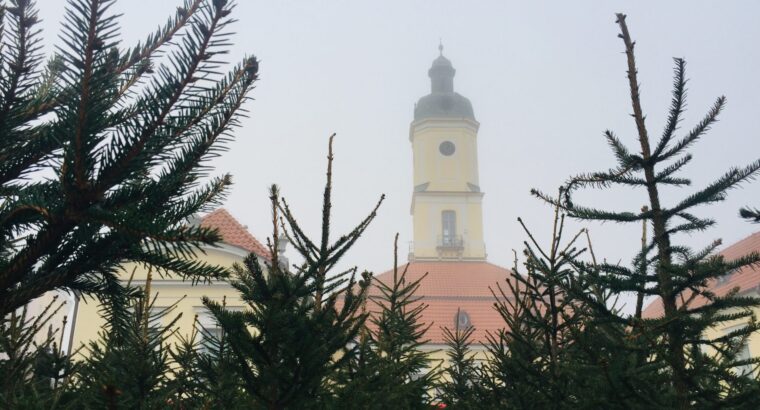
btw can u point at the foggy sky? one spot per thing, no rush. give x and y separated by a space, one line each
545 80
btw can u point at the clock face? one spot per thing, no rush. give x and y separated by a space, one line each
447 148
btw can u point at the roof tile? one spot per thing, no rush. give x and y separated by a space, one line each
452 286
233 233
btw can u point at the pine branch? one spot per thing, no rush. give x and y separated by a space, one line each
677 106
752 215
128 164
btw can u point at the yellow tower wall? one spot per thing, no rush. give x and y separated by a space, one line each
427 210
445 173
446 183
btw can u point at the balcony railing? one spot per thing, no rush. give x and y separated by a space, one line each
450 242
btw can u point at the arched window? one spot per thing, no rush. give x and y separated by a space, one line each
462 320
449 227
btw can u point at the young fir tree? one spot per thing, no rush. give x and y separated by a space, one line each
536 346
203 373
459 385
390 369
103 149
35 372
701 371
299 324
129 366
554 352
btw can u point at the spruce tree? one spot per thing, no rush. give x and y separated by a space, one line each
533 361
391 370
204 373
459 384
129 365
35 373
555 351
103 149
300 322
700 370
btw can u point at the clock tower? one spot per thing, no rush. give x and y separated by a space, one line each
447 200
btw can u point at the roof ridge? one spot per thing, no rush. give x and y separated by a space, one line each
255 245
740 242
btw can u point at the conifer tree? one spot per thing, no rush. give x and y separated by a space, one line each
34 370
555 351
102 149
459 386
129 365
204 372
535 360
391 370
300 322
700 370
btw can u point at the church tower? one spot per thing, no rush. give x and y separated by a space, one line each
447 200
448 256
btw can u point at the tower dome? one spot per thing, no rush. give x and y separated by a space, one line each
442 102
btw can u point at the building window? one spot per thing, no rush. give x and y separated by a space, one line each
210 338
462 320
742 353
211 333
449 231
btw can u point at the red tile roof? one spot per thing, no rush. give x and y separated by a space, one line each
746 279
233 233
450 286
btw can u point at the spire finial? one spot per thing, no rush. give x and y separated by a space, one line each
440 46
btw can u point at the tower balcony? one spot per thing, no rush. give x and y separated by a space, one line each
450 243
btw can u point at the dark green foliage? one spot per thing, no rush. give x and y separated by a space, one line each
459 386
34 372
556 351
299 324
750 214
102 150
537 360
204 374
129 366
391 370
701 370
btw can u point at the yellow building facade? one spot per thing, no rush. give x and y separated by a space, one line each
236 244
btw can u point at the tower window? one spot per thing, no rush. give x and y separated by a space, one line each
449 231
447 148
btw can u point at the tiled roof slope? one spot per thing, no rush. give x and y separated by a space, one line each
745 279
233 233
450 286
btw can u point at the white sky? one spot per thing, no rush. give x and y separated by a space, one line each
545 79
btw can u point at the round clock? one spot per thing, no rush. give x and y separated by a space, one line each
447 148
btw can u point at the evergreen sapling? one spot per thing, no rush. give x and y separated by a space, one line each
701 369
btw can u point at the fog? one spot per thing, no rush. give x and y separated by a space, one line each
545 80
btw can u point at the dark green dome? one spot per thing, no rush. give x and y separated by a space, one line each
446 105
443 102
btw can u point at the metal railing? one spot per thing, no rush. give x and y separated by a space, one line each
450 242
